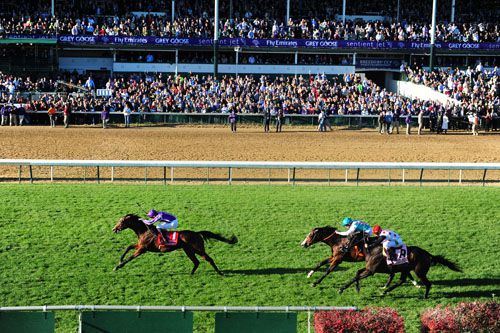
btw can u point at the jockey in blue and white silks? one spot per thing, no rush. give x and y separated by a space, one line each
356 227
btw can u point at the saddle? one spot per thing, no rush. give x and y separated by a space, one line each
397 256
171 239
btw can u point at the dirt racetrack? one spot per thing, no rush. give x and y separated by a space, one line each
248 144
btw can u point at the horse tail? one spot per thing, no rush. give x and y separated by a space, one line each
445 262
210 235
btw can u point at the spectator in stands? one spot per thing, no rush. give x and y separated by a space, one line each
89 84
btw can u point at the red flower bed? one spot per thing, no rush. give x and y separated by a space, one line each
464 317
374 319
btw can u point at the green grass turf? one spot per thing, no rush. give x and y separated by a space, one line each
57 246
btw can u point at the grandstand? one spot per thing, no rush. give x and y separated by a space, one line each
301 56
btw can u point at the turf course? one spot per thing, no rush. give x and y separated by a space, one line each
57 246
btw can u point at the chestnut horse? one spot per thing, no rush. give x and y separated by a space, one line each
328 236
192 242
419 261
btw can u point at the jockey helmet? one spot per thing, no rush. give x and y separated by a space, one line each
347 221
152 213
377 229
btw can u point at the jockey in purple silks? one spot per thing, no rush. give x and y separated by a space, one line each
167 220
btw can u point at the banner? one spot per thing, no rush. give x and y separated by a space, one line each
257 43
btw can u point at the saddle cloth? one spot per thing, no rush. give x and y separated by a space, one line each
172 237
399 257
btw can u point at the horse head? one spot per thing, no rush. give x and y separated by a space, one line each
128 221
318 235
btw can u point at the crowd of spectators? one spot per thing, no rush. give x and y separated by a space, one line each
476 91
475 88
467 11
343 95
191 26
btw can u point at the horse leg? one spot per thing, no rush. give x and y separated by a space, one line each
212 263
334 263
322 263
360 274
190 253
389 280
137 253
415 283
130 247
421 272
402 280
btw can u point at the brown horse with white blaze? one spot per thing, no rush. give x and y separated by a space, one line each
192 242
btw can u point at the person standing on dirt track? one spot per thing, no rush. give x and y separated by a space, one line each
279 120
105 115
233 118
267 119
52 115
67 114
127 110
420 121
408 122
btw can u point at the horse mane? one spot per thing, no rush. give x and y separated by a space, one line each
133 216
328 227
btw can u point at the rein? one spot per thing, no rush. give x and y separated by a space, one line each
328 237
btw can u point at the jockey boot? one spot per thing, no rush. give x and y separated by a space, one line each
164 241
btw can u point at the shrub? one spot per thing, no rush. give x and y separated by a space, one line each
464 317
372 319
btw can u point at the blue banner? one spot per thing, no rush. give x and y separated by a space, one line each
264 43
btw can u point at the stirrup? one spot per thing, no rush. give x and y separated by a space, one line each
344 249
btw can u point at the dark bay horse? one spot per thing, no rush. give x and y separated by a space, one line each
419 260
192 242
328 236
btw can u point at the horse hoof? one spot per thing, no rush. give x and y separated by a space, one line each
314 284
310 274
341 291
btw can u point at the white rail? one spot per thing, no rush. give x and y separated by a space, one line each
230 165
174 308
